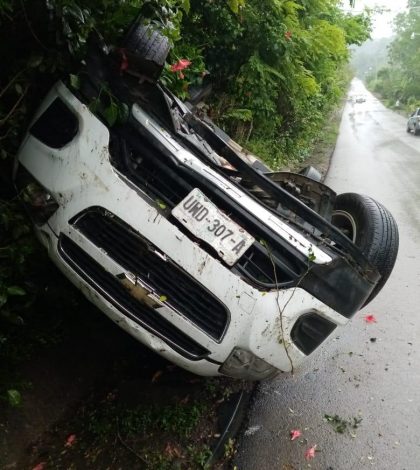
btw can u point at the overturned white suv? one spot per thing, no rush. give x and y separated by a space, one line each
187 243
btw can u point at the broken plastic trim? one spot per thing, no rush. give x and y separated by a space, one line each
245 365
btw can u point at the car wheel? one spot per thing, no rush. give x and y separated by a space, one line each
146 50
372 228
416 130
408 128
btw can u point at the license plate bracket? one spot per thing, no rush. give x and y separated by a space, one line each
207 222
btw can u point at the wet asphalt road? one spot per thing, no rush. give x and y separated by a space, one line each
368 371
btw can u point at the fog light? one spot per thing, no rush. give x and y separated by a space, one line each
37 200
242 364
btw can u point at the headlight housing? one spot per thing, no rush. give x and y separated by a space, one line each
39 203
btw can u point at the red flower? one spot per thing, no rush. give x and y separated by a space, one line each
288 35
124 60
310 453
70 440
180 65
294 434
370 319
39 466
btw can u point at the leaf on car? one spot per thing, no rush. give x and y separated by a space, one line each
161 204
163 298
111 113
75 81
123 113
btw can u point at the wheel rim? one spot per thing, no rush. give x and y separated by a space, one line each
346 223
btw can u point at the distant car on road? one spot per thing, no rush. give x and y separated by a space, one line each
360 99
413 123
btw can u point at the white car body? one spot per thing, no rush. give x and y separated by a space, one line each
79 176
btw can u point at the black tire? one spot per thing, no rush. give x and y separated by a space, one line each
416 130
147 50
372 228
408 129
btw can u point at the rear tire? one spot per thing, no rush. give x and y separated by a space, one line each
416 130
372 228
147 50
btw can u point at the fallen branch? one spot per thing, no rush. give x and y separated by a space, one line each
2 92
129 448
25 15
15 106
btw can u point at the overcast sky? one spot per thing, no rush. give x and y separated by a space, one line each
382 23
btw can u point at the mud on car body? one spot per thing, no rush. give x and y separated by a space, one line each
189 244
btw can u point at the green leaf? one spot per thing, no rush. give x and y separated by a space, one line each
123 113
75 81
15 290
3 298
163 298
94 105
186 6
234 5
14 397
111 113
75 11
35 61
161 204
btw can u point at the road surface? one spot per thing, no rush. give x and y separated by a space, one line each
368 371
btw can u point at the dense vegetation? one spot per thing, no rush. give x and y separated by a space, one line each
400 78
276 66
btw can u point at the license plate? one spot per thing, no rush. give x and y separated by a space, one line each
207 222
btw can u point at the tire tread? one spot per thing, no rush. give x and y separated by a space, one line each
378 236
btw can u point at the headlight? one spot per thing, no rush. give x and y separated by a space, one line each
242 364
37 200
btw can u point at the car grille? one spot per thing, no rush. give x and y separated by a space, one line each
112 290
182 292
155 174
